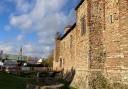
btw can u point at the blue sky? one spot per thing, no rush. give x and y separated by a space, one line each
32 24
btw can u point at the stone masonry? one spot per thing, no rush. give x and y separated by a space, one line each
96 46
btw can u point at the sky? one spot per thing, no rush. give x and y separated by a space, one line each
32 24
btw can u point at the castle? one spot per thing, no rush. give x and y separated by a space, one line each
96 46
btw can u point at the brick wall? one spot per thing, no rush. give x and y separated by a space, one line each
68 50
116 40
101 54
56 63
82 49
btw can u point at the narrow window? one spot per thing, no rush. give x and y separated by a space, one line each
83 25
61 62
111 18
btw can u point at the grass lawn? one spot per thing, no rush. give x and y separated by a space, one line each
9 81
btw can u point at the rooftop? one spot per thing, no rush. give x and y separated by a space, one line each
81 1
72 27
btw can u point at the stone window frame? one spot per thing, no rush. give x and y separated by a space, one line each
111 18
83 25
60 62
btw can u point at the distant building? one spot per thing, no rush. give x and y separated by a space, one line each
1 63
1 54
11 63
31 60
14 57
39 61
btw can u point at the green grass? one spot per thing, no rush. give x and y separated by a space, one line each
12 81
9 81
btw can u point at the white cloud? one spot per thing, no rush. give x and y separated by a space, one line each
21 21
19 37
23 6
7 47
45 19
28 47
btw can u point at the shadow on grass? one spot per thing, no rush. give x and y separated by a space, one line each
67 78
54 78
13 81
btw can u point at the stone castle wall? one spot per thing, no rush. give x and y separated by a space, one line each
82 49
56 63
68 51
100 56
116 40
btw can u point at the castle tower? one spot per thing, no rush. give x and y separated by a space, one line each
108 21
56 52
116 40
96 23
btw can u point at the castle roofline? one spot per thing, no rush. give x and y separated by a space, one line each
68 26
81 1
72 27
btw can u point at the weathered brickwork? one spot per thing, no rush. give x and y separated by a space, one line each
99 55
116 40
56 62
68 50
